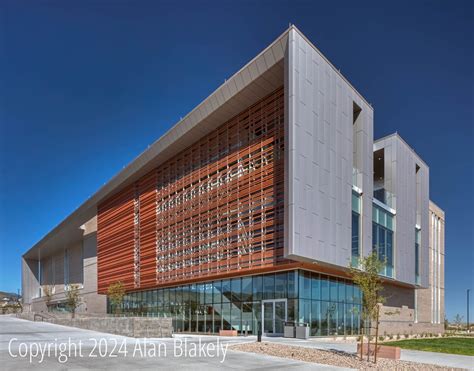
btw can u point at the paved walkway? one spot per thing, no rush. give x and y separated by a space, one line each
18 335
22 343
441 359
450 360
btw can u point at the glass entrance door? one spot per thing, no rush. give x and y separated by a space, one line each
273 317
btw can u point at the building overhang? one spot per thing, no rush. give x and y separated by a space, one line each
258 78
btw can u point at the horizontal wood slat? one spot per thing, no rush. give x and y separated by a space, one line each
215 208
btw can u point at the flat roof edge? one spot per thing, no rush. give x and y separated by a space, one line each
331 65
376 141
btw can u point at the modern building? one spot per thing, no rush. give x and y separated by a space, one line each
250 210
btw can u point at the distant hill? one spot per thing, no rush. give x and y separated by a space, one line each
4 294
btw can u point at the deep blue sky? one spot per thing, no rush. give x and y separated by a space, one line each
87 85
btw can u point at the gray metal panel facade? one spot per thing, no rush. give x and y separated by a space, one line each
319 157
411 206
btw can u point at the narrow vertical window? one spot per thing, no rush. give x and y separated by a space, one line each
357 130
40 277
417 255
66 268
418 223
355 244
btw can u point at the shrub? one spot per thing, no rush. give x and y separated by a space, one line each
116 292
72 298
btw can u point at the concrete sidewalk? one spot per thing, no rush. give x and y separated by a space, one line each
28 332
14 332
441 359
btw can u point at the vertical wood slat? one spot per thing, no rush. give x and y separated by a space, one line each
115 240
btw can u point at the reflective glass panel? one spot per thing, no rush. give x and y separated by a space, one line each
280 316
315 286
280 285
246 288
236 288
293 284
257 287
324 288
268 286
305 285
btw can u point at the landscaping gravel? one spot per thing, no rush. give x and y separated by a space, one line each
333 358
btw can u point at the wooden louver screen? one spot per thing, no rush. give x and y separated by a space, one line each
215 208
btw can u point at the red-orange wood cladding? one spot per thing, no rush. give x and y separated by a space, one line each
147 188
115 240
214 209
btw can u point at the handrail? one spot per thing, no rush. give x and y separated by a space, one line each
43 316
38 315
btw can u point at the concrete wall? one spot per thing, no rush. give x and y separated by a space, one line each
411 202
79 268
418 310
94 303
152 327
398 316
29 280
430 301
320 154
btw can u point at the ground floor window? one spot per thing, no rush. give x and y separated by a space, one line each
329 305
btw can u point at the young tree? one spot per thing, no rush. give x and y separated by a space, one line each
72 299
48 295
367 277
458 321
116 292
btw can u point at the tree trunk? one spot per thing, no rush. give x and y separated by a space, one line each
368 339
362 340
376 334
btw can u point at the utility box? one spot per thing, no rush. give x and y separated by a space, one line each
302 332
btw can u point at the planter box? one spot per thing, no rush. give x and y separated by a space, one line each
227 332
383 351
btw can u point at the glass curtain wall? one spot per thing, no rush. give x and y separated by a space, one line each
382 238
329 305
